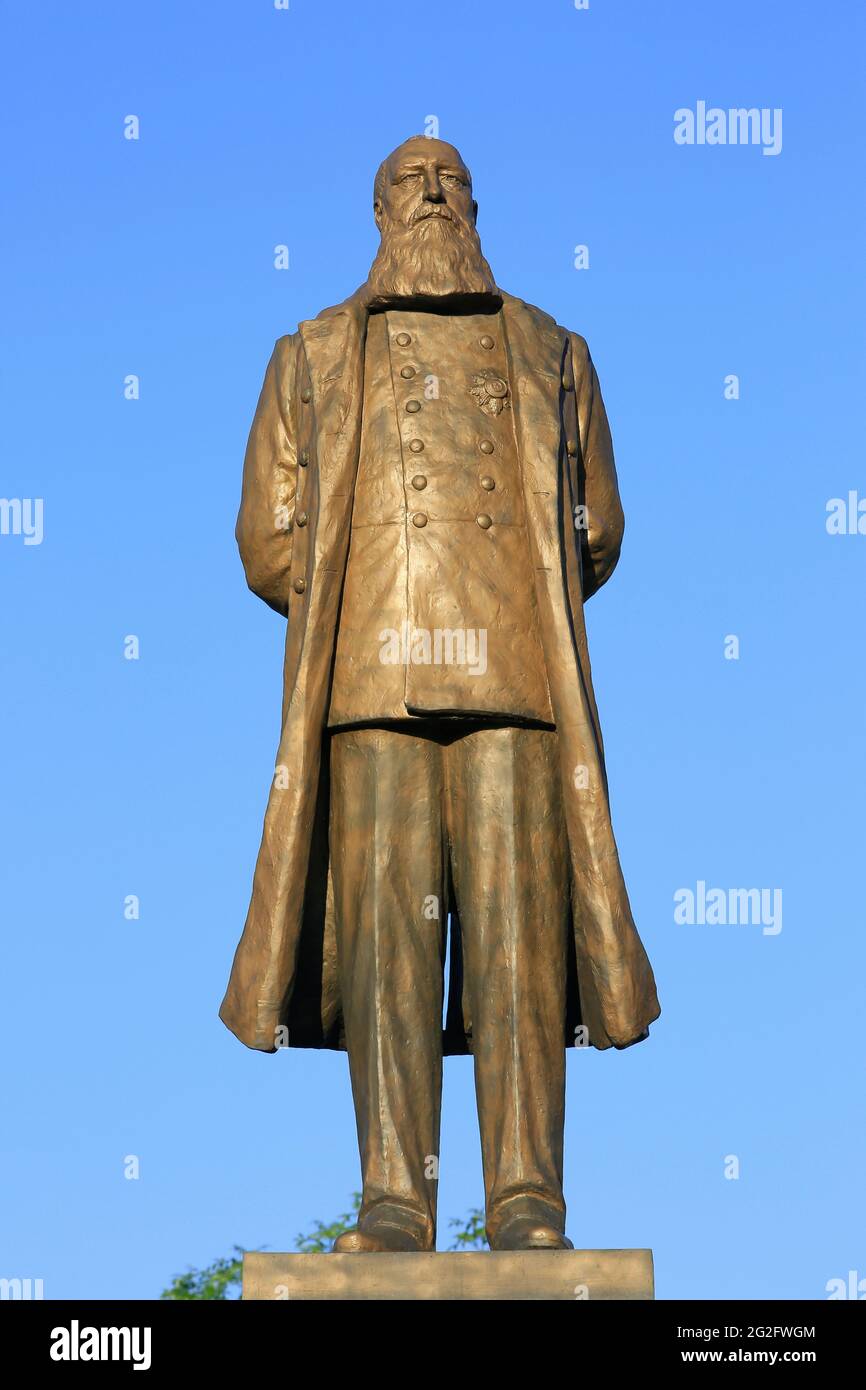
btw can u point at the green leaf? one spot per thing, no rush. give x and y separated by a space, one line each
222 1278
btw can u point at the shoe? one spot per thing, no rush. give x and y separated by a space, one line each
355 1242
376 1233
528 1233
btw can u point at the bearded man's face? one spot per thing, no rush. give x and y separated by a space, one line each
426 217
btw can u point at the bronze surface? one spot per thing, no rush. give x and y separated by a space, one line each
568 1275
430 471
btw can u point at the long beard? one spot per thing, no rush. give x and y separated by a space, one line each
433 258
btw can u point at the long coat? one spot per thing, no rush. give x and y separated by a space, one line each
303 457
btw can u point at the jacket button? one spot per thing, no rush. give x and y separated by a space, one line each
486 341
419 519
571 446
407 372
306 395
403 339
488 484
486 446
299 585
301 519
566 382
419 482
484 521
416 445
413 407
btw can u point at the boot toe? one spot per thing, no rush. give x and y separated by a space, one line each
356 1242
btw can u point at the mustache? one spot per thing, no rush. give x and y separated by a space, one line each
430 210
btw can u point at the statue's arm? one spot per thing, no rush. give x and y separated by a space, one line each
266 516
597 486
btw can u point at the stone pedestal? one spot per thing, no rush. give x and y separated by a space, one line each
573 1275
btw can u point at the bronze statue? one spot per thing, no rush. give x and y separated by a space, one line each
430 497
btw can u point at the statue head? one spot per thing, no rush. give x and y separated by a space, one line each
425 212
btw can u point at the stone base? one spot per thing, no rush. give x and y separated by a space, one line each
573 1275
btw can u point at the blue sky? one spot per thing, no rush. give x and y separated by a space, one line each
155 258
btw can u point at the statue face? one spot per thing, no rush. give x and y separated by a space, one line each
426 216
425 178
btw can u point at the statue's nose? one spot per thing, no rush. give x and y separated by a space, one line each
433 192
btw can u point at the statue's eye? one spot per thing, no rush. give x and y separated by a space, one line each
454 179
407 178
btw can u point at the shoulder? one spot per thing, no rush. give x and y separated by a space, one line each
286 348
579 348
522 306
286 345
581 360
285 354
543 320
353 304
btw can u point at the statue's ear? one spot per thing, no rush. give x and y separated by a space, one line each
377 212
474 211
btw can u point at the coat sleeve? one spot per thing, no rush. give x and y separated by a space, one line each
597 487
267 511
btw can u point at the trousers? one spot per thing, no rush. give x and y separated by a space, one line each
427 816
